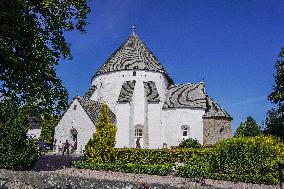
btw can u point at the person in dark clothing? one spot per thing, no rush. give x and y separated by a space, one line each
138 143
66 148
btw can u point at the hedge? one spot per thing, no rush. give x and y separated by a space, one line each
242 159
245 159
155 169
156 156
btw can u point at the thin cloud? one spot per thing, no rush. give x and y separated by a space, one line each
248 101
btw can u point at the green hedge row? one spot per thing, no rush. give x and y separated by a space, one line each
156 156
245 159
249 178
128 168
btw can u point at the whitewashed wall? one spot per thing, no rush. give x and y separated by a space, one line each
122 125
77 119
154 125
173 119
34 133
109 85
135 113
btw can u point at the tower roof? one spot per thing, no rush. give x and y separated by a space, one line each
133 54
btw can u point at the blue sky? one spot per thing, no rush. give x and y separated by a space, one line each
232 44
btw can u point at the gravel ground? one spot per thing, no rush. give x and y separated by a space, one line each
154 179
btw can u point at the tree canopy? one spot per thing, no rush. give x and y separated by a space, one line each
277 95
274 122
31 43
248 128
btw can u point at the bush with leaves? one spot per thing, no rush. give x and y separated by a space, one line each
17 151
190 143
155 156
47 128
245 159
249 128
100 149
155 169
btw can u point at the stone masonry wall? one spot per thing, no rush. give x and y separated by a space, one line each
215 129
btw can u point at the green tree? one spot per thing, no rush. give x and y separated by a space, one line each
274 122
277 95
48 126
100 148
249 128
31 43
17 151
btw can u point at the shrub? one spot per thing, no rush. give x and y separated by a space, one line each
155 169
197 166
17 151
248 155
155 156
190 143
100 148
246 159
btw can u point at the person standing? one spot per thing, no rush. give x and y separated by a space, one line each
138 143
66 147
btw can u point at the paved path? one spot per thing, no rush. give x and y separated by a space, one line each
54 162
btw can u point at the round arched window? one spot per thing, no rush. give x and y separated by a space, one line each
185 132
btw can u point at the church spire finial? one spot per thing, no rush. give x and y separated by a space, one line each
133 29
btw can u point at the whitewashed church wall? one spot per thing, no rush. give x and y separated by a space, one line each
174 119
34 133
139 103
109 85
154 126
122 125
78 119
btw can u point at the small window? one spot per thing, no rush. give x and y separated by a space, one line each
185 132
74 107
134 73
221 130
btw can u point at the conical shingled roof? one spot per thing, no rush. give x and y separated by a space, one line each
133 54
214 110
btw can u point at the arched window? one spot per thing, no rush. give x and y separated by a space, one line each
134 73
139 136
185 132
138 133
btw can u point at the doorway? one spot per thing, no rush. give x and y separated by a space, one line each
74 137
139 136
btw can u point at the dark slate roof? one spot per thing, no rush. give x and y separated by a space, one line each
133 54
90 92
151 92
213 109
185 96
35 122
93 109
126 91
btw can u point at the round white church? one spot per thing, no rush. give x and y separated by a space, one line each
144 103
